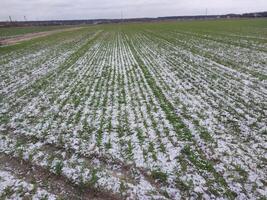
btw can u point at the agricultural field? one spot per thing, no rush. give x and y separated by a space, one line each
173 110
17 31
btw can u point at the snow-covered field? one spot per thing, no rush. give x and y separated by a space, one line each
141 111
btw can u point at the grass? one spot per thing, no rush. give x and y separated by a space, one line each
58 168
159 176
15 31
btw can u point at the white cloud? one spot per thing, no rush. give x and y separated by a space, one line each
89 9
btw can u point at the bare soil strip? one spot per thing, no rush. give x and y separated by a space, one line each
30 36
54 184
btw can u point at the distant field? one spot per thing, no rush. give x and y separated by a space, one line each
171 110
16 31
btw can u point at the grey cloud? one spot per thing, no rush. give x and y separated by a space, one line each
91 9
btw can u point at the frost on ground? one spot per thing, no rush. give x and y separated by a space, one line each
152 111
13 188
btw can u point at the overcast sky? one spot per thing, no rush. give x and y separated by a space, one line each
92 9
